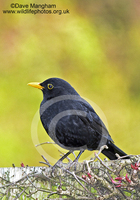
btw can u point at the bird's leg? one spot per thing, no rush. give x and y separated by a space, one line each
62 158
76 159
67 156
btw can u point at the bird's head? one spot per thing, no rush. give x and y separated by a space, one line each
54 87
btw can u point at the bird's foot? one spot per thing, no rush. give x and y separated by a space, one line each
57 164
75 161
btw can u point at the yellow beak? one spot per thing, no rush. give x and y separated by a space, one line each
36 85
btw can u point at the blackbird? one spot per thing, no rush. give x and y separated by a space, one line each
71 121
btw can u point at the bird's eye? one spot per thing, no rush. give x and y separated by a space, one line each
50 86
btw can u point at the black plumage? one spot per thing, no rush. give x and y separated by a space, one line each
71 121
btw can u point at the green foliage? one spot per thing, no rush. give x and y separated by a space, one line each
95 48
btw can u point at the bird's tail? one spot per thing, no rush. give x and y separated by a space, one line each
112 150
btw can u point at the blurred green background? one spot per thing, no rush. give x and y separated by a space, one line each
96 48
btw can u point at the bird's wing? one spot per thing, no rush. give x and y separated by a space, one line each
78 130
71 131
95 121
75 130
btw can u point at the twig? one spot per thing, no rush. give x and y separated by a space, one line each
51 194
102 148
96 154
20 193
120 157
103 163
46 161
44 143
96 181
72 173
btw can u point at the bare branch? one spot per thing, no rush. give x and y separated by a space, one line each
98 180
44 143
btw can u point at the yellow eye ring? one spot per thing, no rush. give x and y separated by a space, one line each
50 86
